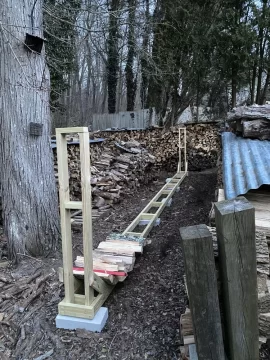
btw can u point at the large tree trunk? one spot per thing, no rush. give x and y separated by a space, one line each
265 88
257 129
253 81
234 85
144 56
28 190
113 56
131 81
262 46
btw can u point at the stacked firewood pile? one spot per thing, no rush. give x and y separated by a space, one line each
127 159
116 169
203 145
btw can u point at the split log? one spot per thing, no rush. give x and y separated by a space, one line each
262 283
257 129
250 112
264 303
100 201
186 324
121 245
264 324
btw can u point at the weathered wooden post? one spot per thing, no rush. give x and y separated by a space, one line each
235 223
200 269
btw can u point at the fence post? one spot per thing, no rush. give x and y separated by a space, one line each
235 223
200 269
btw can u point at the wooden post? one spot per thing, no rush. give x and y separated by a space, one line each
235 222
76 304
87 217
62 159
200 269
185 149
180 149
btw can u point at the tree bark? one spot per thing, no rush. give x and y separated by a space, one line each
253 82
28 189
113 57
131 81
261 53
265 88
144 57
234 86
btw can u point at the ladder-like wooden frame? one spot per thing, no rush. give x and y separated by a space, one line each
83 298
165 193
80 299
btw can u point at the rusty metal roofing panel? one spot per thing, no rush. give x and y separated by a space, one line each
246 164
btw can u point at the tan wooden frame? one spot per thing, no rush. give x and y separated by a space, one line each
182 147
79 300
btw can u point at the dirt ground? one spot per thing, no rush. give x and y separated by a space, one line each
144 311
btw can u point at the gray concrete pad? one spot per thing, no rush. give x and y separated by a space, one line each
73 323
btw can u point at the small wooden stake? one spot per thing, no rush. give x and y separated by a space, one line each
179 144
235 222
202 289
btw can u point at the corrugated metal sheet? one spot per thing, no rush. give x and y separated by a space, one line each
246 164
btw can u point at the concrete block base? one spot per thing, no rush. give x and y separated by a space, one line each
73 323
169 202
146 222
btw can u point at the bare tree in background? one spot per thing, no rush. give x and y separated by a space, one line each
112 62
131 79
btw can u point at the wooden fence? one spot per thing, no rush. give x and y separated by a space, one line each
140 119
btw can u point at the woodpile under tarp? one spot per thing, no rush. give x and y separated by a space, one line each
251 121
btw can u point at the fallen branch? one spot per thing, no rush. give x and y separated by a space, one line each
31 298
45 356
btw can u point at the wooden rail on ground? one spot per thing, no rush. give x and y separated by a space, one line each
155 207
79 300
